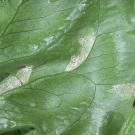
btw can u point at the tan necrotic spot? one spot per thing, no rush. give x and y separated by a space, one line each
127 89
14 81
86 43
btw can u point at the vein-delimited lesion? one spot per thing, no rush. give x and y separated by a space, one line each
17 80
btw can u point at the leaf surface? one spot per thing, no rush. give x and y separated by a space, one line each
82 58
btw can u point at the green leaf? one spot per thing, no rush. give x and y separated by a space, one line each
67 67
128 127
36 30
47 105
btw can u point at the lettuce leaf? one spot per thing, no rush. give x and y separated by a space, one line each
67 67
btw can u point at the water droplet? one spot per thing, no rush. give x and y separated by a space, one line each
49 40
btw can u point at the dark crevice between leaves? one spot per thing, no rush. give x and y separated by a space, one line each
3 75
112 123
133 103
18 131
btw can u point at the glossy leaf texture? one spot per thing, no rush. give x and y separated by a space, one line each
67 67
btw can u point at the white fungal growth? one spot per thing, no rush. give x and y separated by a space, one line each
14 81
127 89
86 43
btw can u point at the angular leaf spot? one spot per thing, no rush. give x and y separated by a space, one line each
124 89
12 82
24 74
86 43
